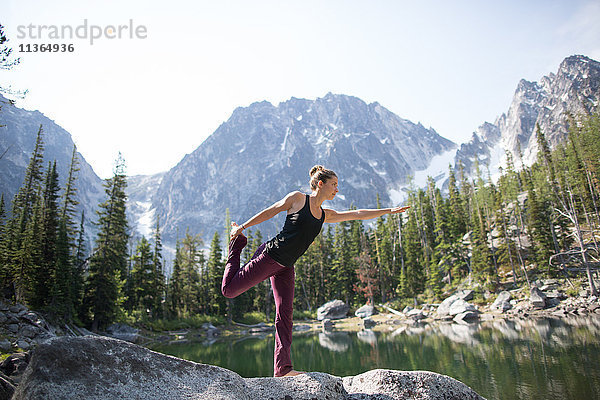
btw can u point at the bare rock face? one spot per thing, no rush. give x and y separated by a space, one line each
397 385
537 298
95 368
502 302
334 309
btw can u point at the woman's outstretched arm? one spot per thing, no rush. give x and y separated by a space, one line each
282 205
332 216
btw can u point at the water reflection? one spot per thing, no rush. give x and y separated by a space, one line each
335 341
500 359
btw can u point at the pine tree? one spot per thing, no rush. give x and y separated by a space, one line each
78 270
44 270
175 285
18 256
158 276
538 218
2 216
108 264
480 253
4 271
412 280
192 261
69 198
342 273
215 266
141 280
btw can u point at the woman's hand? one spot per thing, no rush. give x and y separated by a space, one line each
236 230
397 210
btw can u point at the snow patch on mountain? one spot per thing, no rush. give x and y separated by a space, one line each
437 169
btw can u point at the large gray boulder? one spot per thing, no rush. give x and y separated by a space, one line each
444 307
502 302
537 298
365 311
399 385
460 306
95 368
465 294
334 309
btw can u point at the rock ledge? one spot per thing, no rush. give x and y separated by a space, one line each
95 368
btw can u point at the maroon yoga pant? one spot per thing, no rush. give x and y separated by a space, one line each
237 280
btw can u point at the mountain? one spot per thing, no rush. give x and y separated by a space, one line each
17 138
573 90
263 152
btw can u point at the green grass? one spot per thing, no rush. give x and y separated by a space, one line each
305 314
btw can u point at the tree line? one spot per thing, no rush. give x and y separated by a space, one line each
532 220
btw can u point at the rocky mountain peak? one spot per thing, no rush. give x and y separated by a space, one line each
573 90
263 152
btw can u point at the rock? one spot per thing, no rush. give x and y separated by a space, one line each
123 332
397 385
13 328
593 307
96 368
7 388
365 311
14 366
212 330
302 328
335 309
466 316
335 341
327 324
3 318
34 319
261 327
5 345
555 294
444 307
552 302
23 344
465 294
416 315
502 302
315 385
3 306
16 308
367 336
29 331
551 282
460 306
537 298
368 323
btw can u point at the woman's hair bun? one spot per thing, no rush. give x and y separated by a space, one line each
320 173
316 169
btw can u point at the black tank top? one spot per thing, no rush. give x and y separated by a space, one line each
299 231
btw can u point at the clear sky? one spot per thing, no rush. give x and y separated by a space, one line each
450 65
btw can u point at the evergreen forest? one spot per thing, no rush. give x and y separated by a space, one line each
531 222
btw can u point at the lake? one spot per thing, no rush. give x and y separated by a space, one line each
500 359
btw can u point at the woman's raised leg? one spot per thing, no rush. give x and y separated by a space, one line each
237 280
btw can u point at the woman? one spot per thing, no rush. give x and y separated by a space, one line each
276 257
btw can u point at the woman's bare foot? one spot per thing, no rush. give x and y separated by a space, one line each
293 373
